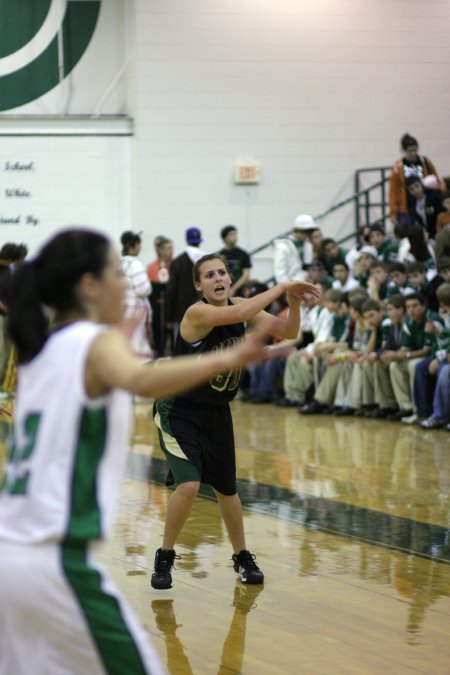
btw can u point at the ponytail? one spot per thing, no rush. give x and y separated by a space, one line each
49 283
28 324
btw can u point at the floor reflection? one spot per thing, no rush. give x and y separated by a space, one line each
233 649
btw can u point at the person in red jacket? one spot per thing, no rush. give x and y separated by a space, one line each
411 163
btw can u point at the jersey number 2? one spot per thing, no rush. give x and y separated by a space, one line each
17 471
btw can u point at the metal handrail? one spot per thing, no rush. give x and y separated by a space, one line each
353 198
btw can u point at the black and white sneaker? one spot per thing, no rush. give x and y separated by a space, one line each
162 570
245 566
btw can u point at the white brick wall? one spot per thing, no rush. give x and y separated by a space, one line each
312 89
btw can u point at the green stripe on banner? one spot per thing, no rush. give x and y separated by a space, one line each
41 75
117 649
19 23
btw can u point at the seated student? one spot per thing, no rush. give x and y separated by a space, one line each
373 314
428 370
391 341
414 245
426 203
379 282
417 275
333 394
342 279
362 239
264 381
441 401
331 253
348 397
400 281
362 267
443 276
417 342
317 274
299 373
443 218
386 247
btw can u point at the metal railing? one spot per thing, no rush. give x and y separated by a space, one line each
363 200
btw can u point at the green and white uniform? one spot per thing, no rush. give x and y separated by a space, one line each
60 613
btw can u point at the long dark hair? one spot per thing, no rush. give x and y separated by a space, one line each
48 282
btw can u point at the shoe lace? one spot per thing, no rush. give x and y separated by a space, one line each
247 559
164 564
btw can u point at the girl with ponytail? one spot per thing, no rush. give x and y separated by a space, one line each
72 418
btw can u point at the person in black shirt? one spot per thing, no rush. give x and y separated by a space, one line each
237 259
195 430
426 204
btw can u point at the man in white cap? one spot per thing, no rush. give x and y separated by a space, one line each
293 252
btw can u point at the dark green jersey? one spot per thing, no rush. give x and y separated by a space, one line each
388 251
340 328
414 334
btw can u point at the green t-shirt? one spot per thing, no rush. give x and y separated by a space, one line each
388 251
414 335
340 327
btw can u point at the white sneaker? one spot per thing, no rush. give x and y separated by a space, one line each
411 419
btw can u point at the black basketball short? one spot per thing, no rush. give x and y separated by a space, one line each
198 442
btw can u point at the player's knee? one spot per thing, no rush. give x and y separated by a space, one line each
189 489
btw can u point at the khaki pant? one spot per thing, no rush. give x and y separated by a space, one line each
402 378
384 393
326 391
349 389
298 377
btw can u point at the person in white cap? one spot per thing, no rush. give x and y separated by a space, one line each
293 252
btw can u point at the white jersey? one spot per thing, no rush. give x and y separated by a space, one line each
68 452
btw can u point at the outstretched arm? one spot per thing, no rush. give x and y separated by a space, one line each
112 365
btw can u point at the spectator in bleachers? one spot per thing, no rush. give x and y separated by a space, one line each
386 247
429 369
414 244
331 358
417 343
442 276
363 266
417 275
317 274
137 293
399 278
331 253
410 164
348 397
443 218
294 252
362 239
379 282
391 342
181 293
264 377
426 204
315 237
442 246
299 373
374 317
238 260
158 275
343 281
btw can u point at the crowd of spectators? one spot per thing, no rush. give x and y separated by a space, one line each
377 344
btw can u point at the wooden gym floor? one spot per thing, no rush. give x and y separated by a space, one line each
350 521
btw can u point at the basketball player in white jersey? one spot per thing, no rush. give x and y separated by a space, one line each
60 614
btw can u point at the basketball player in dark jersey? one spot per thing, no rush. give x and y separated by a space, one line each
195 429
